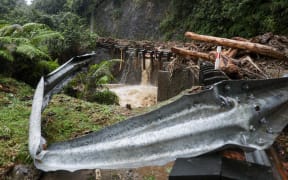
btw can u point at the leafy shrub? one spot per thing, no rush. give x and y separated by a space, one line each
89 86
75 87
103 97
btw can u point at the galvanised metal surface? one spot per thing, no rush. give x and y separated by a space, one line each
245 113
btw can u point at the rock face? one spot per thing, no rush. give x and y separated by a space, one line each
130 19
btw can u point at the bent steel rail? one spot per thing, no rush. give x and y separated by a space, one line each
46 87
245 113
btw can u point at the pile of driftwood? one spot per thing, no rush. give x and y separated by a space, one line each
238 54
141 44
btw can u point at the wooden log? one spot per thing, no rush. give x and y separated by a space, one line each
227 65
233 53
191 53
240 39
253 47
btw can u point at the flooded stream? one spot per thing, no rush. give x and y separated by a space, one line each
136 95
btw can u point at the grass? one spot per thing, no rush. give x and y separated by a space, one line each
149 177
15 104
67 117
64 118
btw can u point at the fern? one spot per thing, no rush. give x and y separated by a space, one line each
5 54
10 29
30 40
48 65
32 52
30 27
6 40
103 68
10 40
46 36
28 46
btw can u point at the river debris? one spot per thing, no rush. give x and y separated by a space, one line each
260 57
238 57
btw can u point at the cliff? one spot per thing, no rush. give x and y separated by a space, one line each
129 19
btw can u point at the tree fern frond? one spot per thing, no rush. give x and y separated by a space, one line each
9 40
45 36
5 40
3 23
104 68
6 55
20 40
48 65
34 27
32 52
10 29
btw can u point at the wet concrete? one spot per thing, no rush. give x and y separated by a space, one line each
170 86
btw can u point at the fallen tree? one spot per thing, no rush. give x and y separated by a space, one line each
187 52
253 47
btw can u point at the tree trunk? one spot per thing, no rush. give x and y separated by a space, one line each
253 47
186 52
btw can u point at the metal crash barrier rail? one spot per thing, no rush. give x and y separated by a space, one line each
244 113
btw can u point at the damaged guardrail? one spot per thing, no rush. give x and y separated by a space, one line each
46 87
244 113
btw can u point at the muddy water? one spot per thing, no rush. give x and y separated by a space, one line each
136 95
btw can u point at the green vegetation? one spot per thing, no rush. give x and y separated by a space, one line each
15 104
67 117
104 97
77 36
30 50
225 18
24 50
89 86
149 177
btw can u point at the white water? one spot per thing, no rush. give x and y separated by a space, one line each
136 95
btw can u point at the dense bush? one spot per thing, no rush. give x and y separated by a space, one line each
225 18
78 38
103 97
34 49
24 50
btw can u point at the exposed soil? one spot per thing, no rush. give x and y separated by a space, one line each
144 173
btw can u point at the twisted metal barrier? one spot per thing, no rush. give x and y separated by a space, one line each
244 113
